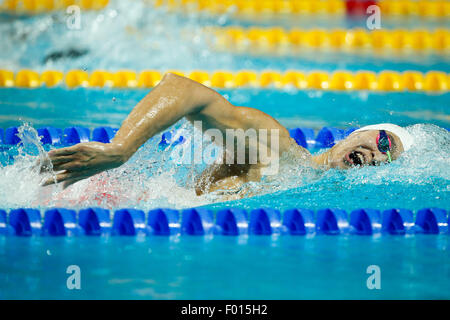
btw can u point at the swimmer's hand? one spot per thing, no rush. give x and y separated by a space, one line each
84 160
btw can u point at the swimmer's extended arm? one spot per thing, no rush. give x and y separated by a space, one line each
173 98
177 97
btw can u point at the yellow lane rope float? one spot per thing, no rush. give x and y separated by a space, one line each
317 80
277 39
249 7
420 8
41 6
425 8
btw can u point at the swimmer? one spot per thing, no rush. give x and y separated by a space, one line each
177 97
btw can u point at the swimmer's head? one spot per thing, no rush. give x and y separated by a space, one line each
363 147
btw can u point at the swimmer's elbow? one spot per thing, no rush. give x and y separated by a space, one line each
197 93
196 97
173 79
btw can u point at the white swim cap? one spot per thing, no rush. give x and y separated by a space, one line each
406 139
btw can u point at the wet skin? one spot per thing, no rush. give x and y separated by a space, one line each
176 97
360 149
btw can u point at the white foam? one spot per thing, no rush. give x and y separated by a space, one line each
138 36
150 179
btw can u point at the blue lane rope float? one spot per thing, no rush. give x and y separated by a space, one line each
103 134
60 222
197 222
164 222
366 221
231 222
305 137
129 222
431 220
75 135
25 222
3 223
299 221
332 221
11 136
50 135
225 222
265 221
95 221
398 221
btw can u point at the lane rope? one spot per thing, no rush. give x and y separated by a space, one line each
44 6
277 39
317 80
265 8
230 222
326 137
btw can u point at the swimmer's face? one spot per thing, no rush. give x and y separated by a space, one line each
360 149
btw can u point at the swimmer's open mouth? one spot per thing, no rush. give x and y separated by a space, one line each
355 158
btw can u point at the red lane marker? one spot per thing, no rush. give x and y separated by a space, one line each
358 7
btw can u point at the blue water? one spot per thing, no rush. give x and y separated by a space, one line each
324 267
420 178
284 267
61 107
142 37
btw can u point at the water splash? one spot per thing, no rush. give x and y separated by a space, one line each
148 180
140 36
137 36
151 178
20 181
419 178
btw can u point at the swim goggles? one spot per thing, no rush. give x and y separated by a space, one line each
384 144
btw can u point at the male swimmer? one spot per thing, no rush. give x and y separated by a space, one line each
176 97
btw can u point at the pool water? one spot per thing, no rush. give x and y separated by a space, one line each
322 267
60 107
140 37
217 267
153 178
220 267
